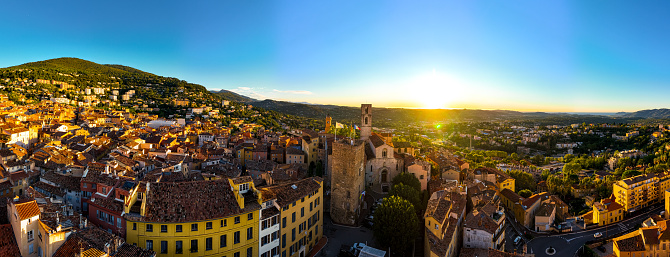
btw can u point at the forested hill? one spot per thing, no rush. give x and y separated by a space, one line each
232 96
647 114
69 77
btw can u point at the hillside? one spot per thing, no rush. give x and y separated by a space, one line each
67 78
232 96
647 114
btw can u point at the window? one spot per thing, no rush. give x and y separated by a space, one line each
223 241
283 240
250 233
236 237
164 247
194 227
150 228
224 223
384 153
31 249
208 244
150 244
31 236
293 235
178 248
293 217
250 251
310 206
208 225
194 245
237 254
237 220
178 228
163 228
283 221
302 212
250 216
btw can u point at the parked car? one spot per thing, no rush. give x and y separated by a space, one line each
597 234
517 240
602 248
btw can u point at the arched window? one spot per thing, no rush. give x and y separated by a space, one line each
366 110
366 120
384 153
385 175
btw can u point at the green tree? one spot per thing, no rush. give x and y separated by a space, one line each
408 193
630 173
395 224
407 178
572 168
525 193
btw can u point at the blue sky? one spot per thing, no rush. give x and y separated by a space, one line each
569 56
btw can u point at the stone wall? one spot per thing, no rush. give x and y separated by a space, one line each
347 180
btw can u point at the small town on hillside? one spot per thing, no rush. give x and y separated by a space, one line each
78 178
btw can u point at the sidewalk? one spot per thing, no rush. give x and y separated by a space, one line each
318 247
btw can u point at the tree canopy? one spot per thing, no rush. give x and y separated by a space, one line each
407 179
396 224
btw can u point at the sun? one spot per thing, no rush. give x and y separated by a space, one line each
434 90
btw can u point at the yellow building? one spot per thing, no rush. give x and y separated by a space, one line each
607 211
647 241
301 204
641 191
667 204
198 218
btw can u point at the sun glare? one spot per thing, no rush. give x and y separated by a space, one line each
434 90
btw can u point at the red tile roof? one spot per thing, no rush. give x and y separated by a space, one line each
8 245
27 209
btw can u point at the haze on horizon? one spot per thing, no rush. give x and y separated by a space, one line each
554 56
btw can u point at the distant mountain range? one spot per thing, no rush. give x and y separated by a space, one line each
646 114
162 90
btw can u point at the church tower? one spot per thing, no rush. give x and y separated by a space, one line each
366 121
329 122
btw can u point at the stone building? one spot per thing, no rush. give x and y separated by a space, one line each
366 121
347 180
381 166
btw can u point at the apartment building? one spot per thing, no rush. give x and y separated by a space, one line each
641 191
198 218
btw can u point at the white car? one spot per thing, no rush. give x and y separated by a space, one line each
598 234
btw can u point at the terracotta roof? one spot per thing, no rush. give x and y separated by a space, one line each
68 182
650 236
545 209
510 195
480 221
27 209
127 250
376 140
631 244
88 238
8 245
191 201
291 192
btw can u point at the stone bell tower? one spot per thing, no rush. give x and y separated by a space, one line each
366 121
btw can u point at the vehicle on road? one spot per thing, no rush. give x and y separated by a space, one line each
597 234
517 240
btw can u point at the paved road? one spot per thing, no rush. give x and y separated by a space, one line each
569 244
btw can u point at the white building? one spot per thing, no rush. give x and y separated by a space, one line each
268 243
485 228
